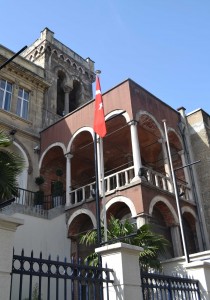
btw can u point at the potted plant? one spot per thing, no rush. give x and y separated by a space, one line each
39 195
57 189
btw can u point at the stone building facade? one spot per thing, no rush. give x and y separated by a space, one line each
198 142
22 88
47 81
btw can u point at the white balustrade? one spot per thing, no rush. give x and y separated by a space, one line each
112 182
123 178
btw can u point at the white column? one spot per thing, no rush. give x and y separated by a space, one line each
186 172
68 178
124 260
8 226
166 163
199 237
67 91
135 147
176 240
141 220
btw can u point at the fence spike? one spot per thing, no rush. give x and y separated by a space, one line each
41 254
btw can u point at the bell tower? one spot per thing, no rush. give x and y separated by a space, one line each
70 76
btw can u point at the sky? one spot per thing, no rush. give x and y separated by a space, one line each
163 45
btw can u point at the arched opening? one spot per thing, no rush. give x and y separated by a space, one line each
75 96
119 210
117 147
175 147
150 144
80 225
53 160
82 162
22 178
190 233
60 94
161 221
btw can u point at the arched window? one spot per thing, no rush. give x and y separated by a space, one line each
60 94
75 96
190 233
160 226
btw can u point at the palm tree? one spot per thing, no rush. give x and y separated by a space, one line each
153 244
11 164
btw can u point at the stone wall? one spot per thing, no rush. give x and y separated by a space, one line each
200 136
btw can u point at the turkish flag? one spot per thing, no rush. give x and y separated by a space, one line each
99 119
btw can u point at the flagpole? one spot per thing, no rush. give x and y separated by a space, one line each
176 196
97 198
103 190
99 128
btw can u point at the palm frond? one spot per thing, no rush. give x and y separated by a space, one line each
11 164
153 244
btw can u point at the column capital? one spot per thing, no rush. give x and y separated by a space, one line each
69 155
162 140
67 89
133 122
181 152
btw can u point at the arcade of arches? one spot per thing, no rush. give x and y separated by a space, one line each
119 147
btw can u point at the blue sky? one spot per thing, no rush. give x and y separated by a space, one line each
163 45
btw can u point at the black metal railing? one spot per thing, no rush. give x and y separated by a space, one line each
27 198
39 278
163 287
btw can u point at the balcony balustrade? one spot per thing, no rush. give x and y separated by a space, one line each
124 178
112 183
26 202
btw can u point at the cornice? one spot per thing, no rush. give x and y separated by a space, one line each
26 74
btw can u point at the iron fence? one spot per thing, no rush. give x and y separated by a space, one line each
164 287
38 278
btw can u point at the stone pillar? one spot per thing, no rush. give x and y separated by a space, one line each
8 226
176 241
135 148
68 178
200 270
166 164
67 90
124 260
141 220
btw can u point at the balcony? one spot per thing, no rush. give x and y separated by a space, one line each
125 178
25 203
116 181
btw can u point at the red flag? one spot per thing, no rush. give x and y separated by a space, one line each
99 119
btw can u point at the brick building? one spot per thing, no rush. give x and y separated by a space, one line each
56 84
